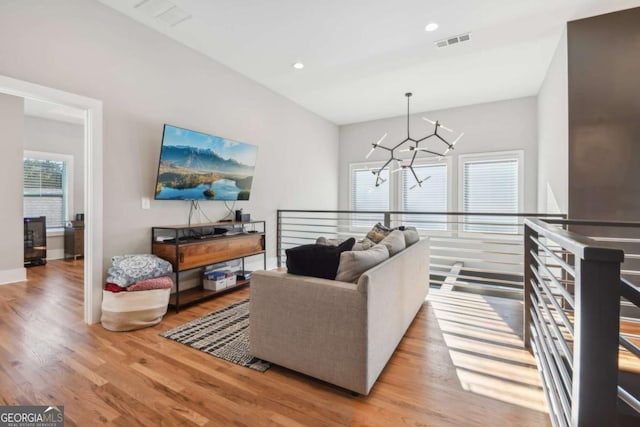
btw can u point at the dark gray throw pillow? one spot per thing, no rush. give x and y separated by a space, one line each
317 260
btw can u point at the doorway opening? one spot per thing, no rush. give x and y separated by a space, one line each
83 205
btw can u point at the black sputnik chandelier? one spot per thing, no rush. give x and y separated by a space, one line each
415 149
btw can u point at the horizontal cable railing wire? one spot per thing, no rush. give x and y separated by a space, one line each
473 251
572 317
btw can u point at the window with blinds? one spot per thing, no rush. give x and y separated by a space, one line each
365 196
490 186
44 190
431 197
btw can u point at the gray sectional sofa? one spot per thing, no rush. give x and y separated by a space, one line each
342 333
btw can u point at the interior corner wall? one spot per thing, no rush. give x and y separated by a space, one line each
11 223
144 80
604 116
553 135
490 127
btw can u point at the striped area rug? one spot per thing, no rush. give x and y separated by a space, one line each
223 333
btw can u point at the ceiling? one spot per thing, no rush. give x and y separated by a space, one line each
361 56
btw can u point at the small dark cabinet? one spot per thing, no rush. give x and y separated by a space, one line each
35 241
74 240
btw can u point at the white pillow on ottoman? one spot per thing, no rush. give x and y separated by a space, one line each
354 263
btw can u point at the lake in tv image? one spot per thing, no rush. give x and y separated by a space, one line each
197 166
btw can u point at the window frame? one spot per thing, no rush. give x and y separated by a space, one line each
517 155
368 165
67 183
448 161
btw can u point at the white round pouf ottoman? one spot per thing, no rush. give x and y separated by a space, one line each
128 311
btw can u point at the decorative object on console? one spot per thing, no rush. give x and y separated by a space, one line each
414 149
242 217
317 260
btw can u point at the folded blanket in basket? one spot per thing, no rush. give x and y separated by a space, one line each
112 287
129 269
163 282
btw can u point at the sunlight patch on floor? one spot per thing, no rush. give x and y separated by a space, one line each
483 338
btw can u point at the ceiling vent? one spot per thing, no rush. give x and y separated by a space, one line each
164 11
450 41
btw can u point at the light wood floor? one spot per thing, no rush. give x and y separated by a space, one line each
460 364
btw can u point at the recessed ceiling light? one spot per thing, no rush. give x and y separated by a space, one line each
298 65
431 26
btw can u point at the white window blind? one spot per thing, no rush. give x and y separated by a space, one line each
431 197
490 186
43 190
365 196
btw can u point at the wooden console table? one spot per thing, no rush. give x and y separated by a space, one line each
189 247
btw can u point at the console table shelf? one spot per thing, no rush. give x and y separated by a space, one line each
196 246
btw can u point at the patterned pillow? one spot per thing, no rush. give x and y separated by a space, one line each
378 232
128 269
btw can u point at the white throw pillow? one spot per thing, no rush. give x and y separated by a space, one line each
394 242
354 263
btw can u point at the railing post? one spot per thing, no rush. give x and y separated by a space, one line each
387 219
529 263
279 238
596 332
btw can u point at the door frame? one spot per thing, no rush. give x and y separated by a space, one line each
93 203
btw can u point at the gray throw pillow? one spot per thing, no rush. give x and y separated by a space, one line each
363 245
394 242
354 263
328 242
411 236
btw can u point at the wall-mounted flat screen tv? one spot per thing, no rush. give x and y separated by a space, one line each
197 166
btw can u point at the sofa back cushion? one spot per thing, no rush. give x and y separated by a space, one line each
394 242
411 235
317 260
354 263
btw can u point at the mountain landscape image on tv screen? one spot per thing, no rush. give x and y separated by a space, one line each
197 166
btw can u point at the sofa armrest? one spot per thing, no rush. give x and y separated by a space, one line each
314 326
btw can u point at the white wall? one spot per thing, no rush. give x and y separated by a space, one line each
144 80
553 135
496 126
53 136
11 223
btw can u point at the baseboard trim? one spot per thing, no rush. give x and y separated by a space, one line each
13 276
55 254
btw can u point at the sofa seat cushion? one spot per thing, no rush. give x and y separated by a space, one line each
354 263
394 242
317 260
